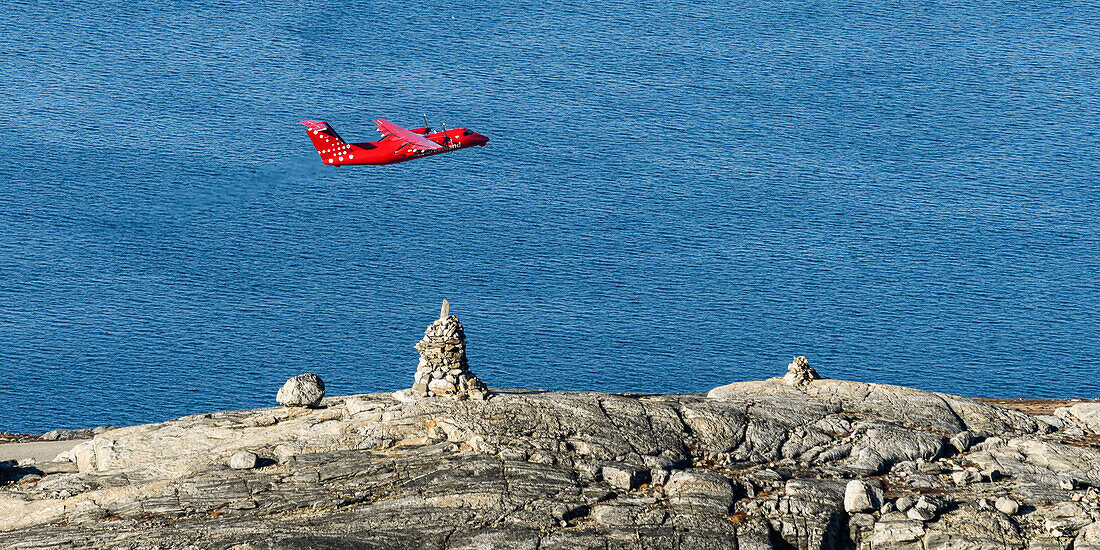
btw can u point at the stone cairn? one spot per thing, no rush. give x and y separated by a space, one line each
443 370
800 372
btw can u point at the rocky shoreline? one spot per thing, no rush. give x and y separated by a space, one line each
769 464
794 462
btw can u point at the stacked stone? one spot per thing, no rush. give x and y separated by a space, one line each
799 372
443 370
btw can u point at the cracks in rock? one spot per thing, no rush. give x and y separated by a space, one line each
784 437
743 443
501 508
447 539
599 403
504 515
675 408
504 478
951 409
621 430
648 421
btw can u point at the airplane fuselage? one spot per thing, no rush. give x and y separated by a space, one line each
336 152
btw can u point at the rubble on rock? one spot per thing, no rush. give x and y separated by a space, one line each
800 372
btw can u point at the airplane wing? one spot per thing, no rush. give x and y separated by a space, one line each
413 139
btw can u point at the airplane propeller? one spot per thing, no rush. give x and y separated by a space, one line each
427 131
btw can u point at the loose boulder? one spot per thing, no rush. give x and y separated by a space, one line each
965 477
1007 506
962 441
243 460
621 476
304 390
862 496
925 509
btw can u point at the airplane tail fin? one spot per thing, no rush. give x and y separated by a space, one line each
329 144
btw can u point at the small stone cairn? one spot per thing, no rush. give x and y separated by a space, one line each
443 371
800 372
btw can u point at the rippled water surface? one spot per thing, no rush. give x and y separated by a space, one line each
676 196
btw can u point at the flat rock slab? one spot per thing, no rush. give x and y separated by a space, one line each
38 452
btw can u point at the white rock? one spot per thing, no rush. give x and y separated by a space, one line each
83 455
1088 537
356 405
658 476
920 514
966 477
1087 413
284 452
406 396
959 478
859 496
1006 506
441 386
243 460
696 485
923 510
620 477
890 534
304 390
962 441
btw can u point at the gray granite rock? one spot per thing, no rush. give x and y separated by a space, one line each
304 390
1088 538
862 496
962 441
243 460
756 465
1006 506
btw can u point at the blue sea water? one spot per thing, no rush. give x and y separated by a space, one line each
677 195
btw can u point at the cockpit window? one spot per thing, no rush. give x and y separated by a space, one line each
466 133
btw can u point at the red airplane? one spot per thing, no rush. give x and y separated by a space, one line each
397 144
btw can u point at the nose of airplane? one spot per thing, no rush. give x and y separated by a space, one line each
478 139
